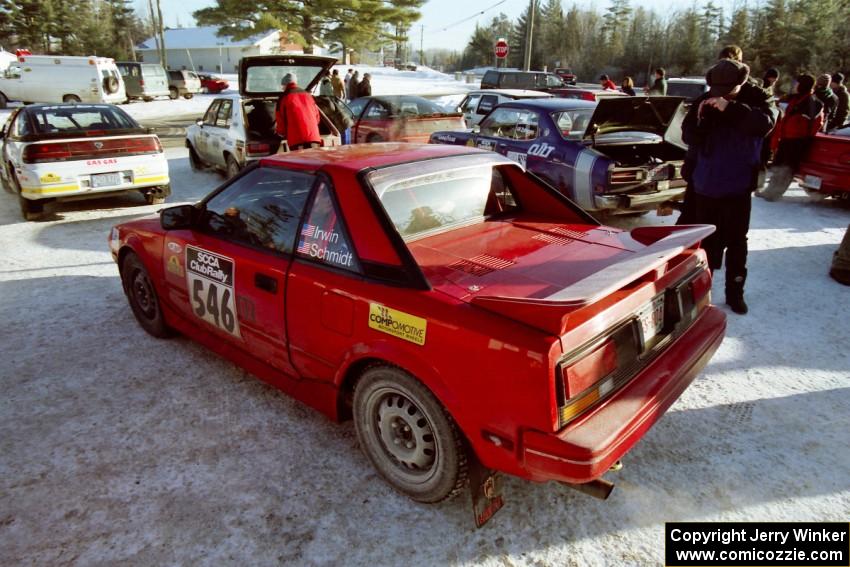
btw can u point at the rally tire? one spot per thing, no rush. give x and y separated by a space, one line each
31 209
188 96
173 93
4 102
154 198
142 296
147 98
408 436
71 99
110 84
233 168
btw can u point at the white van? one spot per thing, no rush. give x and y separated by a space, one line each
57 78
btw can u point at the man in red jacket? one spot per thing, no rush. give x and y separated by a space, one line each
297 117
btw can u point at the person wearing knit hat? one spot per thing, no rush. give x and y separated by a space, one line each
296 117
726 128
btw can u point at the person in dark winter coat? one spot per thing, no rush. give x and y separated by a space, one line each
768 83
803 119
629 86
659 87
297 117
365 86
353 85
828 98
339 114
843 109
726 127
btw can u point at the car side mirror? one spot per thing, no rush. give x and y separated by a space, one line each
179 217
476 129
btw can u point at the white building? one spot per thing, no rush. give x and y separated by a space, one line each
202 50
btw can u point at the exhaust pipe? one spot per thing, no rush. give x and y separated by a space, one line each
599 488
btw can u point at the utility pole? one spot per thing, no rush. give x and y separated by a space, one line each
528 33
162 34
421 43
155 30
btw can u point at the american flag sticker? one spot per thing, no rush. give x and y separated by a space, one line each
308 230
303 247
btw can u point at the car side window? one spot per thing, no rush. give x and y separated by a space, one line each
212 113
224 113
323 237
488 102
22 126
260 209
377 111
469 103
511 123
553 81
357 105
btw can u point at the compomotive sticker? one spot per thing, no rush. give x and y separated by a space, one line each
397 323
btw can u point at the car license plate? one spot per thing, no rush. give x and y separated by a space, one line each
651 319
812 181
105 179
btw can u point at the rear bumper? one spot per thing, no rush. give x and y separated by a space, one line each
587 448
639 201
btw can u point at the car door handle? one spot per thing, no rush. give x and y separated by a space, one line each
265 283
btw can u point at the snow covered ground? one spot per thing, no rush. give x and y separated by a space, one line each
117 447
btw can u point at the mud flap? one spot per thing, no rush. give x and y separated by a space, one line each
485 489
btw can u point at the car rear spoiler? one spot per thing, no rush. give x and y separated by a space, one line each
550 313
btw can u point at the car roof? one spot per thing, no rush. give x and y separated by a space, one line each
550 104
515 93
695 80
357 157
82 106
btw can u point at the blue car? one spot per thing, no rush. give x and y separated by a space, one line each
618 155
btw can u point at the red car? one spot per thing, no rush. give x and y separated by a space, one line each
466 315
212 84
566 75
401 118
826 168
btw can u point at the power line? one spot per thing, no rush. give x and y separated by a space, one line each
473 16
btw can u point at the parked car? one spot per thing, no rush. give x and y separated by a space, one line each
59 78
531 80
463 314
239 128
143 80
588 91
620 155
401 118
566 75
183 83
689 88
72 151
212 84
478 104
826 167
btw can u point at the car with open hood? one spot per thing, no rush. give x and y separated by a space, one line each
237 129
619 155
463 313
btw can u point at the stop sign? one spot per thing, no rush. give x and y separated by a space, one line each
501 49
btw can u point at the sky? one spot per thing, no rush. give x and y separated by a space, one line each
445 23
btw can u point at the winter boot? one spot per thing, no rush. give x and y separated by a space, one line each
781 177
735 293
840 270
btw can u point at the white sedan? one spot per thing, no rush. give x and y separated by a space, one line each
74 151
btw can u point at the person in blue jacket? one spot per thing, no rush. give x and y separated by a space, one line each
726 128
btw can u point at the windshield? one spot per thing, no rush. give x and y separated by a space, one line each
572 123
55 119
266 78
429 196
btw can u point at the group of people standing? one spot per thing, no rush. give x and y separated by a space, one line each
348 88
657 88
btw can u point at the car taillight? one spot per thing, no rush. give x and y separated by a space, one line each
258 149
588 96
41 153
590 369
701 290
626 176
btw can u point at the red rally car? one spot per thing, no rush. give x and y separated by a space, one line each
826 167
463 312
212 84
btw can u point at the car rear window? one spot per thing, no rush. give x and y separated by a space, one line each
426 197
60 119
267 78
153 70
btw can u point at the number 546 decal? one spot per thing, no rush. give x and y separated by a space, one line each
210 281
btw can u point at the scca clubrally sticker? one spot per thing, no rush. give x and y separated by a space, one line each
397 323
210 280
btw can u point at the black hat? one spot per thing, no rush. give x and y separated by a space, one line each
838 77
603 77
725 76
